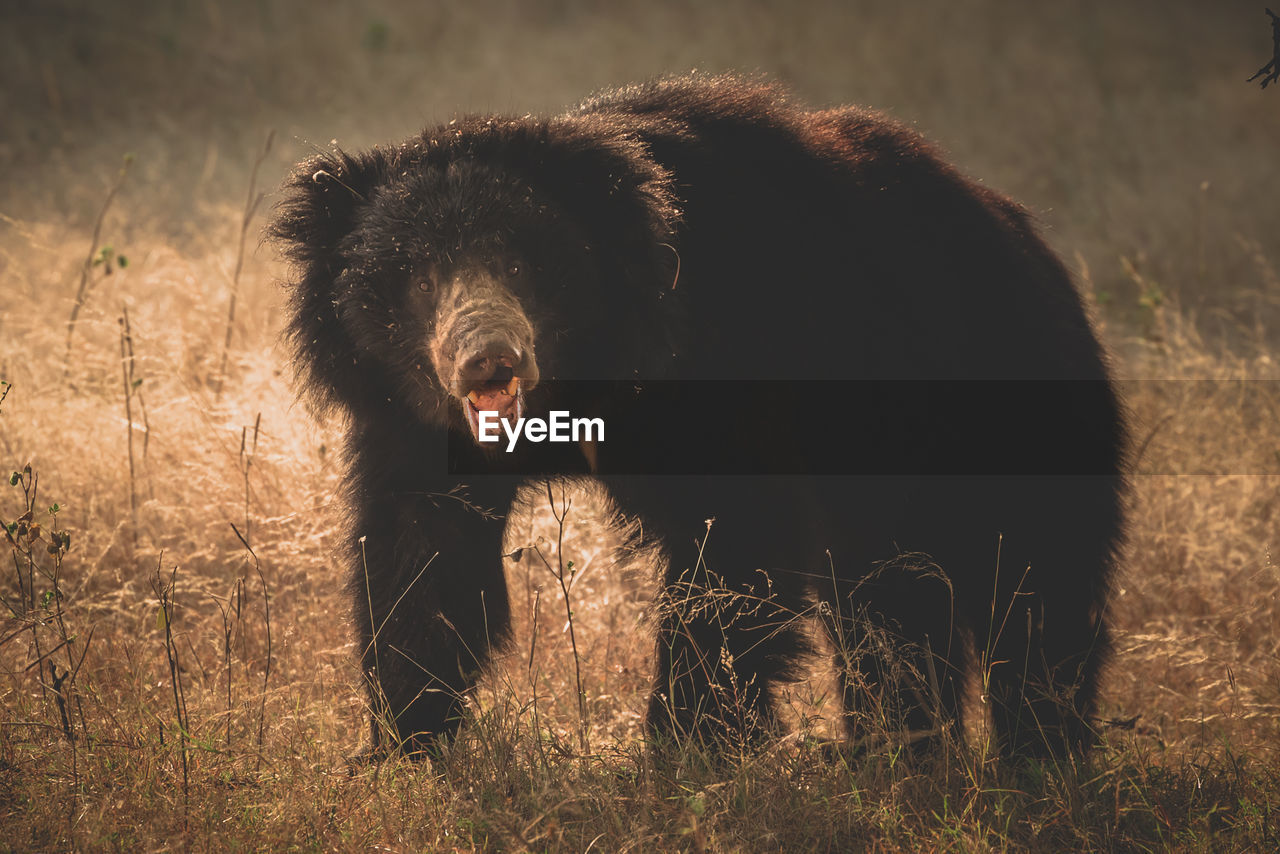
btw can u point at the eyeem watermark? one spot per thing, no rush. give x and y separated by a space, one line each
559 428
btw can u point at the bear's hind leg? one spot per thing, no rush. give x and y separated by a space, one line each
723 645
900 655
1044 642
1042 677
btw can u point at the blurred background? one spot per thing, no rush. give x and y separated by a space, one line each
1128 127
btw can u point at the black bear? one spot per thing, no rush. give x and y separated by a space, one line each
832 376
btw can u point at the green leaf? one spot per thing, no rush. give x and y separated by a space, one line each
122 261
162 618
376 35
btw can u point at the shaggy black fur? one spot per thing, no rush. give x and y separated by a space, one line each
749 263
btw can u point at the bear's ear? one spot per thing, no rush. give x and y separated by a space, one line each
594 168
610 179
320 201
604 176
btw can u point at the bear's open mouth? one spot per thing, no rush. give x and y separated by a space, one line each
503 398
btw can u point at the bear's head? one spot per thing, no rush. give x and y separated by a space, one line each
451 274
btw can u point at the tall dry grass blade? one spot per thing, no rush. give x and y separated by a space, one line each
251 204
86 270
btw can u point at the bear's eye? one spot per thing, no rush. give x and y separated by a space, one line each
426 284
514 269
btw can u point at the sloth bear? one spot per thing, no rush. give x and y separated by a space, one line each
840 385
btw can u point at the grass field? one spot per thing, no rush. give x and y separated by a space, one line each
176 667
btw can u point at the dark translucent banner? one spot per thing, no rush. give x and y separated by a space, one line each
878 428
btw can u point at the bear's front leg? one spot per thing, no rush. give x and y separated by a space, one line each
429 596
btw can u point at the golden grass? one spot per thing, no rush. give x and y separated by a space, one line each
1118 141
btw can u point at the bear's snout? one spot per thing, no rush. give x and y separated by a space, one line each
481 338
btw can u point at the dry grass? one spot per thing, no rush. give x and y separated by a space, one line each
1098 117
